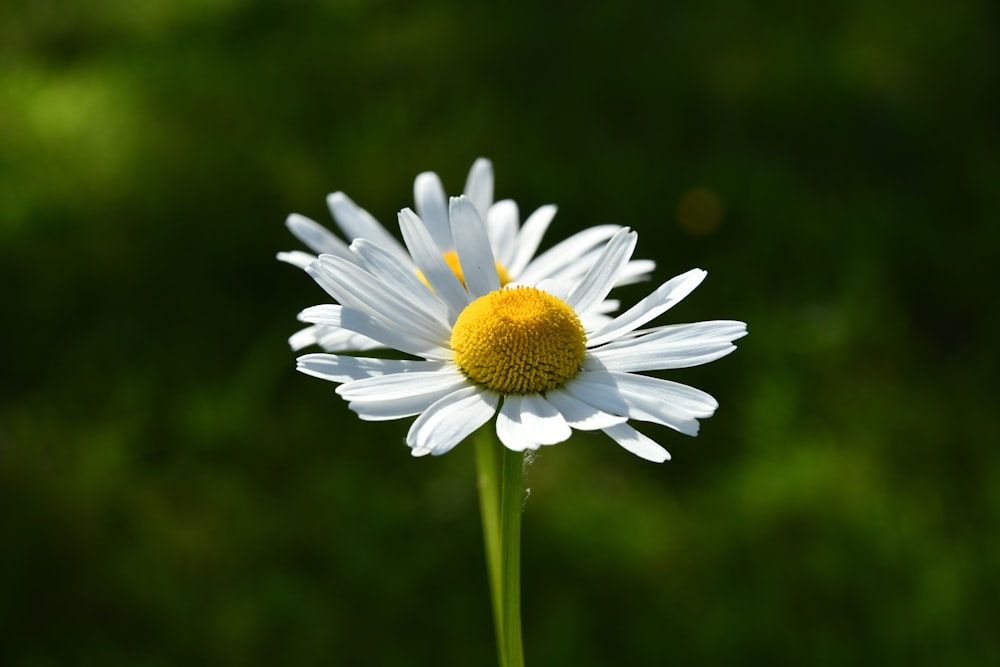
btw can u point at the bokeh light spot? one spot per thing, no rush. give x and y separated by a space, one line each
700 211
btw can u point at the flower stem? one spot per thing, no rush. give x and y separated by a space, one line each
488 481
501 497
511 505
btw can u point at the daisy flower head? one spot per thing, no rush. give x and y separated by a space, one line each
529 355
513 245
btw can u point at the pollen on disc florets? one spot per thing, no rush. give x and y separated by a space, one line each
518 340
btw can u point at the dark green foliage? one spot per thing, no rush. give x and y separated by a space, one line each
172 492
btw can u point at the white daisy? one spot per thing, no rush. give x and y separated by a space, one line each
513 245
522 353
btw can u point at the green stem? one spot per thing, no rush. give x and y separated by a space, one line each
511 505
488 479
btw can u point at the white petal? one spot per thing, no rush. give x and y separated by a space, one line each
318 238
502 221
432 207
428 258
450 420
510 429
527 422
337 368
399 385
694 401
676 346
382 264
529 238
479 185
543 420
380 411
327 314
607 306
305 337
568 264
569 258
592 320
357 223
575 265
473 247
601 277
599 391
579 415
387 298
636 271
387 333
665 297
331 339
400 395
637 443
297 258
556 287
644 398
603 392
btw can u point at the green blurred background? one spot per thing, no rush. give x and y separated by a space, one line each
173 492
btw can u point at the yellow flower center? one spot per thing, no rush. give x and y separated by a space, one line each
519 340
452 258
